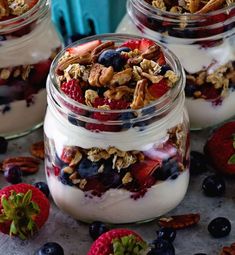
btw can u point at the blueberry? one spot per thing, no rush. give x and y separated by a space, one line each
213 185
96 229
111 178
76 122
169 169
219 227
43 187
164 69
58 162
3 145
64 178
162 247
111 58
168 234
51 248
190 89
125 49
87 168
198 162
13 174
2 38
127 119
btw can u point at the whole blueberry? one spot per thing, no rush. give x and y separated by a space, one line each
190 89
64 178
50 248
127 119
219 227
164 69
162 247
87 168
13 174
3 145
111 58
168 234
213 186
125 49
96 229
43 187
169 169
198 162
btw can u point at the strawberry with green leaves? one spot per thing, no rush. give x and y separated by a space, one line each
24 210
117 242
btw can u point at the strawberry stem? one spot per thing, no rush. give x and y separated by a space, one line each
20 210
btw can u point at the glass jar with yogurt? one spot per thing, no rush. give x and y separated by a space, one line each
116 131
28 44
204 42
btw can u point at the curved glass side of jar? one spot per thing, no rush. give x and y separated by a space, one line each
28 44
140 165
205 46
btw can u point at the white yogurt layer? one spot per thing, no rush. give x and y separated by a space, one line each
116 205
21 118
203 113
30 48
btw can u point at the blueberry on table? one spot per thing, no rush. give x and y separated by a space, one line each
13 174
168 234
96 229
219 227
162 247
3 145
50 248
43 187
198 162
213 185
111 58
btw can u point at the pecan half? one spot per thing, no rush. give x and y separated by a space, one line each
151 52
4 8
180 221
99 49
122 77
194 5
118 92
37 150
212 5
228 250
28 165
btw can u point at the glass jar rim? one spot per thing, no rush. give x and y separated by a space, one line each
168 97
38 11
143 4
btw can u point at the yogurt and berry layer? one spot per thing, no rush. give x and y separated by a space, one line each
200 34
25 61
100 171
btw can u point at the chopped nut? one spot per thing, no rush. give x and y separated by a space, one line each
82 183
75 71
16 73
106 75
68 170
25 71
159 4
194 5
173 78
18 7
4 8
212 5
137 71
90 96
122 77
95 75
76 159
152 78
201 79
5 74
197 93
118 92
176 9
127 178
151 52
73 176
96 154
228 250
126 161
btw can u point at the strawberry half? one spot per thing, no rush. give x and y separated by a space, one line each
132 44
145 44
158 89
84 48
24 209
142 45
118 241
220 148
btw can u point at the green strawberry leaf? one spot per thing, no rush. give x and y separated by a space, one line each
27 198
231 160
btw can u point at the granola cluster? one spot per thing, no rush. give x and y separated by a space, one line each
190 6
13 7
217 83
133 72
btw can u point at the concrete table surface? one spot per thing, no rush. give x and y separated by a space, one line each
74 236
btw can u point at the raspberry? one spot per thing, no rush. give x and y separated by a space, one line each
73 90
158 89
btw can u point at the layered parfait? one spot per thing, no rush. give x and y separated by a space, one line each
28 44
201 34
116 131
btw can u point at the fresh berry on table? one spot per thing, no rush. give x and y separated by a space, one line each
168 234
97 228
43 187
162 247
198 163
213 186
219 227
51 248
13 174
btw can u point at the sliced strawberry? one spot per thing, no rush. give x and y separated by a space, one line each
145 44
159 89
31 3
161 59
142 171
132 44
84 48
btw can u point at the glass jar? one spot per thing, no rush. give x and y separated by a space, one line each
205 46
28 43
151 142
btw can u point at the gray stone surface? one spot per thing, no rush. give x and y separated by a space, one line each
74 237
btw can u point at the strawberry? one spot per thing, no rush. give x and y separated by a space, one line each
118 241
40 71
158 89
161 58
142 45
30 3
24 209
143 171
84 48
145 44
220 148
73 90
